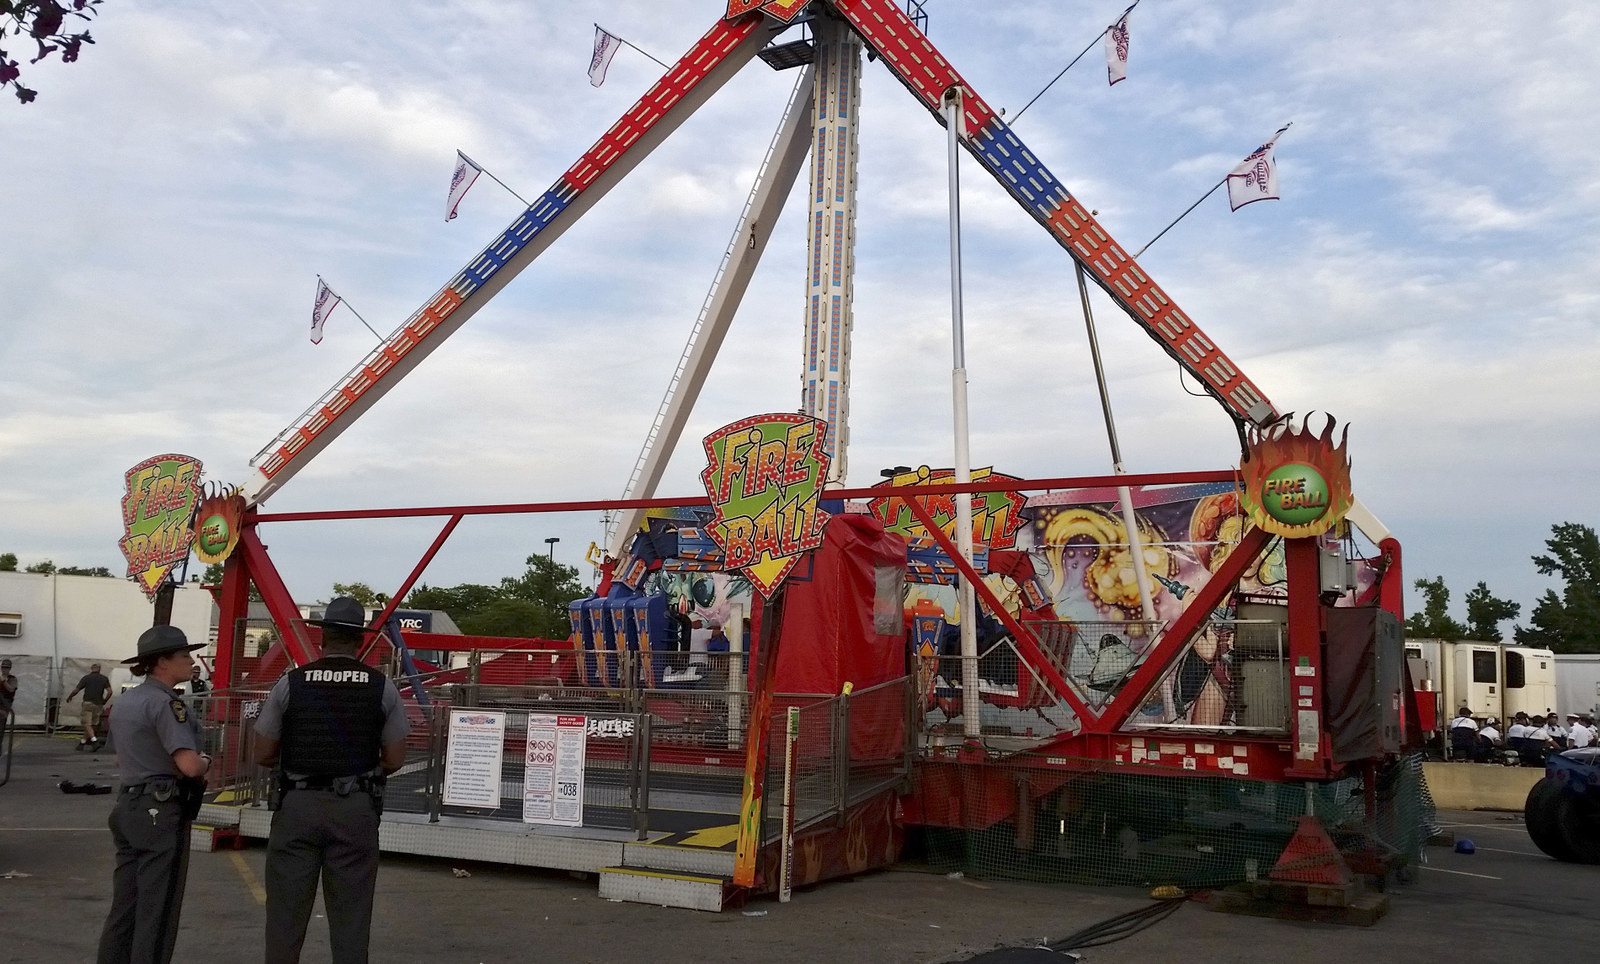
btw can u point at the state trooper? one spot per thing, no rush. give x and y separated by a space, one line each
336 728
163 776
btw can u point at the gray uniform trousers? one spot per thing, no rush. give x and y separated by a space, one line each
147 885
319 832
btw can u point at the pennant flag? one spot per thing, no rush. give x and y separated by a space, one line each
1117 49
1256 177
327 300
605 47
467 172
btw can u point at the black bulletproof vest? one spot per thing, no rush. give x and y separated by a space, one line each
333 726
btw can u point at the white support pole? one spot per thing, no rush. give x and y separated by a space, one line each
785 156
1130 522
791 736
970 702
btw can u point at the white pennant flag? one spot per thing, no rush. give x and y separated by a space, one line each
605 47
467 172
327 300
1256 177
1117 50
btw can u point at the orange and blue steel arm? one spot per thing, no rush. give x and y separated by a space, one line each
908 54
709 64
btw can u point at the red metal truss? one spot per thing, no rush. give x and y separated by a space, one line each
1177 636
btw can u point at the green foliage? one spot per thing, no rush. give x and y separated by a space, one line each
46 23
1434 621
361 593
85 571
8 562
43 568
533 604
1569 622
1485 613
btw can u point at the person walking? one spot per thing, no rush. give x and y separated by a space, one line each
8 696
96 689
335 727
162 774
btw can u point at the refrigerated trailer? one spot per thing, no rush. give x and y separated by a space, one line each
1490 679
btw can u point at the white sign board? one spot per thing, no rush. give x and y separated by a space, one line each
472 758
552 781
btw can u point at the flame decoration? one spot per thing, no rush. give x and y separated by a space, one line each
1280 444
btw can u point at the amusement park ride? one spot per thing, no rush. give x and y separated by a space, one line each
1337 706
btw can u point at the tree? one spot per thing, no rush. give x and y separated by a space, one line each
1570 622
84 571
361 593
46 23
533 604
8 562
213 574
43 568
1485 613
1434 621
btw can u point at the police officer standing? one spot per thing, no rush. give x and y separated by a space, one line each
162 772
335 727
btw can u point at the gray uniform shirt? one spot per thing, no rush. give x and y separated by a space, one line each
270 722
149 724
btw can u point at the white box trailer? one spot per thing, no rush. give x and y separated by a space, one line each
1490 679
52 627
1578 683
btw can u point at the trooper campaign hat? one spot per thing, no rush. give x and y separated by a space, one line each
161 640
346 614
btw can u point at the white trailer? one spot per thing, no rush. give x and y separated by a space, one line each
1578 682
53 627
1490 679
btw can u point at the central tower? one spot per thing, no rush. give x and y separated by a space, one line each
831 234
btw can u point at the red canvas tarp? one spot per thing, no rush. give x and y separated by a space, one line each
843 624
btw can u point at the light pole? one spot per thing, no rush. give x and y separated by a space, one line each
551 542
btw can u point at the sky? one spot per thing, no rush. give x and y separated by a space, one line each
169 201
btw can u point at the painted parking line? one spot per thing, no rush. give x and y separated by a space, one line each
249 878
1523 853
1463 873
55 829
1519 827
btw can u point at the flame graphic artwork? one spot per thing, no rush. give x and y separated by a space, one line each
1296 481
218 521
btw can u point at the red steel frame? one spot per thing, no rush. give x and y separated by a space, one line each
1102 737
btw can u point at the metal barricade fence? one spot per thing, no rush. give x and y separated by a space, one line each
226 734
676 743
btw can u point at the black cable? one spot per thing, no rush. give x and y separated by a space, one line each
1121 926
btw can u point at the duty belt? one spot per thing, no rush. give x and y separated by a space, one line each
340 785
162 789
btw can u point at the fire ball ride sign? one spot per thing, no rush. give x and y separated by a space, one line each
1296 482
156 509
217 523
764 477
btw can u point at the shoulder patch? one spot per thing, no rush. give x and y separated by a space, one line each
179 711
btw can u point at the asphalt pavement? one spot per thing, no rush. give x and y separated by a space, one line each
1507 902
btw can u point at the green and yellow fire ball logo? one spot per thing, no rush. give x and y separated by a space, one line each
1296 481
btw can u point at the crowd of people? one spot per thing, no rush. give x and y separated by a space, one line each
1531 739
